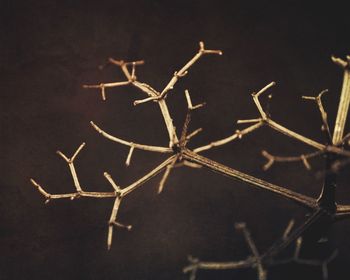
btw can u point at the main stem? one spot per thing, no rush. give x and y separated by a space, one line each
342 108
301 199
327 197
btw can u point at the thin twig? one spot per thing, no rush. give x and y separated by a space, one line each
325 126
240 176
131 144
344 103
271 159
260 268
237 135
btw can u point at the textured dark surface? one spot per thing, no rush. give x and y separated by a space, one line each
49 49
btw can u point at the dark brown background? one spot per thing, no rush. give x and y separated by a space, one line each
50 48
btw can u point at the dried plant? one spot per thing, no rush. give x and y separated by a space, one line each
323 210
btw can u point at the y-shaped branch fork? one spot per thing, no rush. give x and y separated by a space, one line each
259 261
266 120
79 191
154 95
119 193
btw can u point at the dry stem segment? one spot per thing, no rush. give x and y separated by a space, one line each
240 176
276 126
148 176
128 159
261 262
281 244
154 95
271 159
131 144
237 135
74 195
296 258
196 265
257 102
185 157
71 166
325 126
344 103
184 70
260 269
288 229
112 182
166 174
112 221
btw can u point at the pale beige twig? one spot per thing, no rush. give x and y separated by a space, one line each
131 144
71 196
128 159
112 220
257 258
71 166
189 102
325 126
276 126
344 102
237 135
154 95
271 159
166 174
180 73
257 102
103 87
339 61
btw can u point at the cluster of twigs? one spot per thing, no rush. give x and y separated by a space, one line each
322 208
256 260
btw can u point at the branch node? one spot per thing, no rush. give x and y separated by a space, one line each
270 160
338 61
128 159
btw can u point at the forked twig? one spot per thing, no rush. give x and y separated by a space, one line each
323 208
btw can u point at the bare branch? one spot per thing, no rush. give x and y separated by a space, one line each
128 159
188 164
276 126
288 229
196 264
131 144
103 87
112 182
344 103
184 69
237 135
181 73
240 176
189 102
166 175
339 61
325 126
194 133
112 221
271 159
71 166
249 121
71 196
260 268
148 176
257 101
